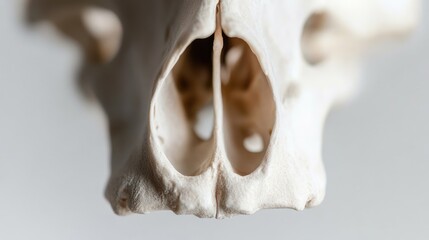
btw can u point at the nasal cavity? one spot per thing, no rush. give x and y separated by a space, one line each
249 109
184 116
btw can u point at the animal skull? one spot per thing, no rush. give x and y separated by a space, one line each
216 107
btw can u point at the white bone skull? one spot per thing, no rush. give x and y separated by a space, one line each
216 107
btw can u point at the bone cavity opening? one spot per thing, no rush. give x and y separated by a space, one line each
316 40
254 143
184 110
106 29
204 122
249 110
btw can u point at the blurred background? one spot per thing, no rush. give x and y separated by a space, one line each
54 152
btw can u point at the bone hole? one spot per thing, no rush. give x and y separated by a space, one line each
106 30
316 38
254 143
184 110
204 122
249 110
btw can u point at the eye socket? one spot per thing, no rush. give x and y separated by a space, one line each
105 27
315 39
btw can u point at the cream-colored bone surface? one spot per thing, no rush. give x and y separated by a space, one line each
216 108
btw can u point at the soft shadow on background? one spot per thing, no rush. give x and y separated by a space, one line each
54 153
